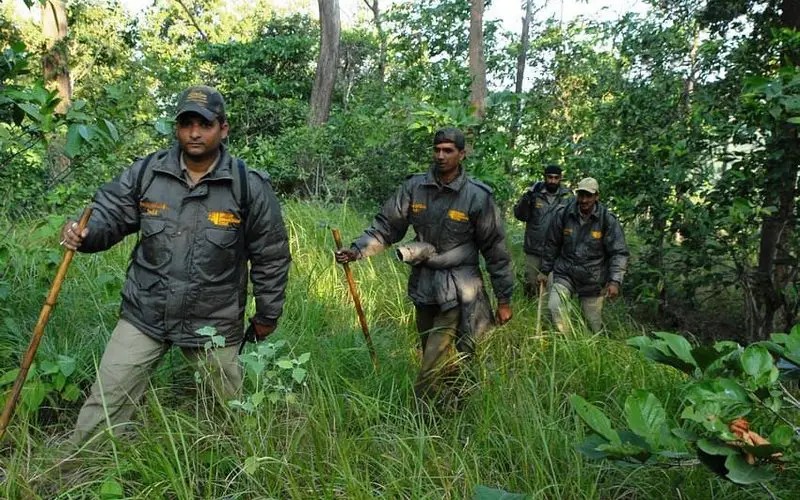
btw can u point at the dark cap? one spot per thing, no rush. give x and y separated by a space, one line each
552 169
450 134
203 100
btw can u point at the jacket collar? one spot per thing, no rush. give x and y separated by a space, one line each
455 185
171 162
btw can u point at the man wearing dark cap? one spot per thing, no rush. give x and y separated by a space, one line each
587 253
536 208
201 216
455 219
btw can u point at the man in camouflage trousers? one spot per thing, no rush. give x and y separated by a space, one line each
455 219
587 254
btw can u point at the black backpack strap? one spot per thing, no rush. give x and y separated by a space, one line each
244 190
140 177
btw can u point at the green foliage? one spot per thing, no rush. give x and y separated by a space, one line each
274 377
727 383
51 381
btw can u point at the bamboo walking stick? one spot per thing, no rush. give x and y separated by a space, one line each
539 310
38 330
337 237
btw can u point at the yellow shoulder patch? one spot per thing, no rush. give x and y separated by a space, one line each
151 208
418 207
567 231
458 216
597 234
223 219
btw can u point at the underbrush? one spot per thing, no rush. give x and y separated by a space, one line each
348 431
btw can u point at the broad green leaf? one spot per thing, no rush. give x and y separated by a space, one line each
85 132
206 331
589 447
299 374
740 472
257 398
679 346
30 110
757 362
163 126
486 493
285 363
71 392
594 418
781 435
9 377
251 465
645 416
111 489
624 450
112 130
66 364
304 358
715 447
74 139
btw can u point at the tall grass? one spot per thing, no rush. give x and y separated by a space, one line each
354 432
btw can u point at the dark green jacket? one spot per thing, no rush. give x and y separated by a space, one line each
461 220
585 256
536 210
189 268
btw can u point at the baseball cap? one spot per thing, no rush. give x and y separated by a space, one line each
588 184
203 100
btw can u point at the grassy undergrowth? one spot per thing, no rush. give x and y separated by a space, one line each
353 432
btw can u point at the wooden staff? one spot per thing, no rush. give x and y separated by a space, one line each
351 283
38 330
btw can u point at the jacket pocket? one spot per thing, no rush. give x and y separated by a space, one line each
154 248
217 257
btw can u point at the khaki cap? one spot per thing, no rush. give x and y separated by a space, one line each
588 184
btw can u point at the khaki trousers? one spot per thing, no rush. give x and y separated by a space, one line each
124 372
438 330
559 304
533 263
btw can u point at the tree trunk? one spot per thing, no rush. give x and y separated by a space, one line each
769 308
322 92
376 14
56 73
522 61
477 62
55 61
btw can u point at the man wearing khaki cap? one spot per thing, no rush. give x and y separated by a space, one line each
587 254
201 216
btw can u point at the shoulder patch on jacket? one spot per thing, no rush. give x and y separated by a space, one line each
481 185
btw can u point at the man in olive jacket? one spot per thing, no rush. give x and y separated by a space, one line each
536 208
587 255
455 219
201 216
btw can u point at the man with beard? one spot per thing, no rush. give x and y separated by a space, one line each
455 219
536 209
587 253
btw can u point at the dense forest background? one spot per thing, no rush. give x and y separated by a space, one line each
686 113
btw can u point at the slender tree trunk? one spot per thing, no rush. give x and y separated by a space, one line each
55 66
55 61
322 92
477 62
376 15
522 61
769 308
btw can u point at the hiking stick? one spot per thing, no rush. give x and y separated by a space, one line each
354 293
539 310
38 330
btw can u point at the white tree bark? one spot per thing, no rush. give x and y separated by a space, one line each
322 92
477 61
